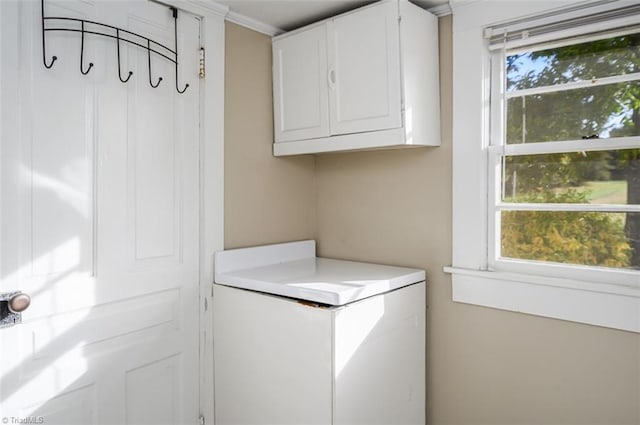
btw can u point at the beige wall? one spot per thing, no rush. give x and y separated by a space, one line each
484 366
267 199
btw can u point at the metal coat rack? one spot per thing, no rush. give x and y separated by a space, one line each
119 34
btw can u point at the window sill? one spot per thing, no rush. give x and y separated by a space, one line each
612 306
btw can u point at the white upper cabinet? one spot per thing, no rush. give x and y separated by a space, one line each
362 80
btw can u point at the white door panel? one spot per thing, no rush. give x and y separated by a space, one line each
99 218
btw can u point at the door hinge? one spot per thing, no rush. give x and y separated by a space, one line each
201 70
201 420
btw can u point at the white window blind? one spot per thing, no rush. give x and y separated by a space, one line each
569 24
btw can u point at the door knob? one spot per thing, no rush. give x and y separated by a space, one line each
12 304
19 302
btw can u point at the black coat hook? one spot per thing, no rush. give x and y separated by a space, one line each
119 71
175 27
82 54
106 30
44 48
159 78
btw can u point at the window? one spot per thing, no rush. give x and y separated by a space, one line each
565 151
546 159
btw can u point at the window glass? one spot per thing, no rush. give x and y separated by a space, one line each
573 237
579 62
582 205
592 112
593 177
552 111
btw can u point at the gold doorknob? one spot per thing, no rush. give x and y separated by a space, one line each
19 302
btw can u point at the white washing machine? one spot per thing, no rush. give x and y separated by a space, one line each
304 340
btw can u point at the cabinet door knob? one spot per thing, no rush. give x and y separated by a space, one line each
19 302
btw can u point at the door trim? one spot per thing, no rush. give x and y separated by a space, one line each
212 38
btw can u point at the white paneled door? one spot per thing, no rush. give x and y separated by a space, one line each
99 217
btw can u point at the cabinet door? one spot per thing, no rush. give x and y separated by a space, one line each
364 70
301 105
272 359
379 359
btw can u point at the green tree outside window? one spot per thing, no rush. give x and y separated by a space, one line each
610 176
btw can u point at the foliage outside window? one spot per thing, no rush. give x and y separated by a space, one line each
569 157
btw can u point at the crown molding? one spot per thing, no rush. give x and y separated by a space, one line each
442 10
253 24
270 30
197 7
209 7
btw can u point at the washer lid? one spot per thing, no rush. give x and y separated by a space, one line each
293 270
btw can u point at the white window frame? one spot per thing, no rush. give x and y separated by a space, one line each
587 295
